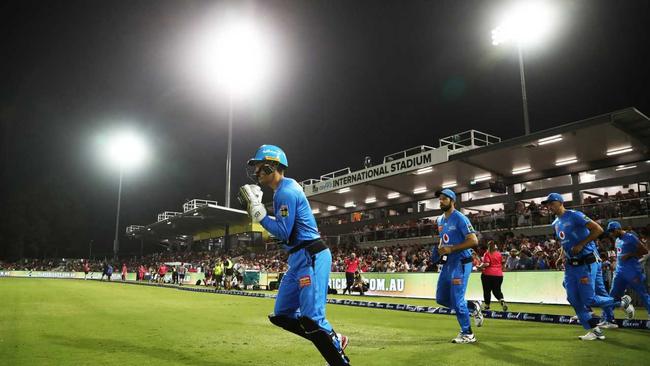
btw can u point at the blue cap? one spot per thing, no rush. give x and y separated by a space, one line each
613 225
269 153
447 192
553 197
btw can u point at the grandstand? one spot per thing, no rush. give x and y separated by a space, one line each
599 165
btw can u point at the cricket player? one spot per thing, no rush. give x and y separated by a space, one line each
300 303
577 233
457 236
628 269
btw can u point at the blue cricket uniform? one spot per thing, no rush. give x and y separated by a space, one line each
629 273
581 273
303 290
452 282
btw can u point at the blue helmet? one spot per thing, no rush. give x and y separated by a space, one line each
269 153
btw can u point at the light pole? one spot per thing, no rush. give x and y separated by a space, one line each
523 90
234 58
525 24
116 241
229 154
126 150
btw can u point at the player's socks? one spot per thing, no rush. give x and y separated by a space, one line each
477 313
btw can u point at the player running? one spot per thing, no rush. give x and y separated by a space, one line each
300 303
457 236
577 233
628 269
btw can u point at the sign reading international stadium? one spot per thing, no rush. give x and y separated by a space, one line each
404 165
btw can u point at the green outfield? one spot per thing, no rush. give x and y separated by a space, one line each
71 322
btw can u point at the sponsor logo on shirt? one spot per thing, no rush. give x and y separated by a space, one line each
445 238
284 210
561 235
305 281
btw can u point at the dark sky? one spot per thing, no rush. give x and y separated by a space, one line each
357 78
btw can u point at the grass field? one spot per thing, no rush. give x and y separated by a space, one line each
67 322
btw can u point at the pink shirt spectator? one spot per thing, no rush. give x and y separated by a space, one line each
494 263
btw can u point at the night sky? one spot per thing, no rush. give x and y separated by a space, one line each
356 78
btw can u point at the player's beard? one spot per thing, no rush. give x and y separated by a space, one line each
445 208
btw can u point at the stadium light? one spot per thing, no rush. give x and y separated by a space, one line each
481 178
315 211
566 161
419 190
625 167
331 208
371 200
424 170
620 150
235 57
343 190
521 170
526 24
349 204
549 140
449 185
393 195
127 150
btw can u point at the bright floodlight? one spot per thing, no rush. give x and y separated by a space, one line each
525 23
126 149
235 56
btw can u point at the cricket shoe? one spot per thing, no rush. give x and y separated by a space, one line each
592 335
464 338
504 305
607 325
626 304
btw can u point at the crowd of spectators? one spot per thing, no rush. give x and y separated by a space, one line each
519 252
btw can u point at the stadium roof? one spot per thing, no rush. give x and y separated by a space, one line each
201 219
611 139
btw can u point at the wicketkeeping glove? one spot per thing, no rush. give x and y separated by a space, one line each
250 196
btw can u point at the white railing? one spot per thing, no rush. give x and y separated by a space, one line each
196 203
408 152
468 140
335 174
167 215
132 229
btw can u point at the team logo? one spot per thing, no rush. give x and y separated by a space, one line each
445 238
284 210
305 281
561 235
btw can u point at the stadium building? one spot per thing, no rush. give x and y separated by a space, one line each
600 165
